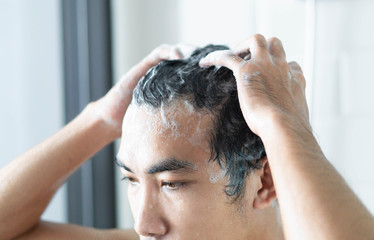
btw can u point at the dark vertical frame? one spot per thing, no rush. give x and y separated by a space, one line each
87 77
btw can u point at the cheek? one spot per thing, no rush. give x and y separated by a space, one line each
192 209
134 200
199 212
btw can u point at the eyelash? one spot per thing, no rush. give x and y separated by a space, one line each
172 186
130 179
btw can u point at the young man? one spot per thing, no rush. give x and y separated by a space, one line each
195 168
196 171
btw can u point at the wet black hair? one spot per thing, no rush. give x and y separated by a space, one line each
213 90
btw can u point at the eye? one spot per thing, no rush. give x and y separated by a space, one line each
129 179
173 185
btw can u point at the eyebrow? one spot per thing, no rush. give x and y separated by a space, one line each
171 164
166 165
121 165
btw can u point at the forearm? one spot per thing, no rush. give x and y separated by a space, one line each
55 231
28 183
315 201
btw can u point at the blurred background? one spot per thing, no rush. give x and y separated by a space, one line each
58 55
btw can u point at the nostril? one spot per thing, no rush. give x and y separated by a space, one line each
150 223
149 216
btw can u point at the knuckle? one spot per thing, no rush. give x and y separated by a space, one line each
259 39
283 65
299 80
302 82
274 41
219 55
234 56
162 52
294 66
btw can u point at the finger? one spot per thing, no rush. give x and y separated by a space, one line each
164 52
295 67
186 49
175 54
276 49
297 73
242 49
225 58
245 54
255 45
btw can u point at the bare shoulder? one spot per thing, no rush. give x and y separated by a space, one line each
48 230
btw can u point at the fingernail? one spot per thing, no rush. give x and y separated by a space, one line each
203 63
175 56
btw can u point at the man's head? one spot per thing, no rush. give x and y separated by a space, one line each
189 154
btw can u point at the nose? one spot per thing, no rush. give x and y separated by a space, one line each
149 221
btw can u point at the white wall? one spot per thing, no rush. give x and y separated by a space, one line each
343 99
216 21
31 100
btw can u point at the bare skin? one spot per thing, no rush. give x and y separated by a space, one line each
176 193
315 202
25 193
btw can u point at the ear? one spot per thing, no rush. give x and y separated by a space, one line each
266 194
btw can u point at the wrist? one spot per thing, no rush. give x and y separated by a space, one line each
290 135
93 114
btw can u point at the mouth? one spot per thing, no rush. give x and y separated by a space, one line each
157 238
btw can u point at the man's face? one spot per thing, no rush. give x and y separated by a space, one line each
174 191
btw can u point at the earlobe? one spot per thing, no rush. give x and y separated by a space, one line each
266 194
